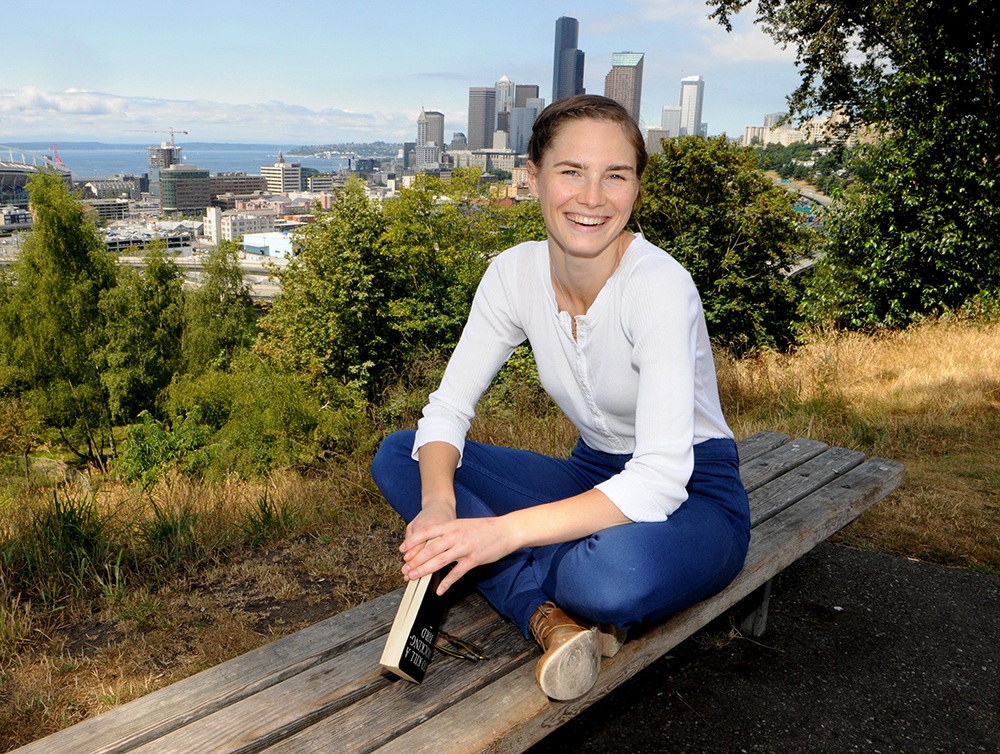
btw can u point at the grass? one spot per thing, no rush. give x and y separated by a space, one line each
108 592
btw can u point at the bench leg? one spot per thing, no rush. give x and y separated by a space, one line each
754 610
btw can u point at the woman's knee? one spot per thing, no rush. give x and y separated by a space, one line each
397 475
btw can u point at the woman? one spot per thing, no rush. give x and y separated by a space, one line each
648 515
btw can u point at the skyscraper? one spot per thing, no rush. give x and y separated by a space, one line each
671 121
567 64
430 128
505 95
482 116
623 83
521 121
524 92
692 94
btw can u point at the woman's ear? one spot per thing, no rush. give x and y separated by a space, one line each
533 178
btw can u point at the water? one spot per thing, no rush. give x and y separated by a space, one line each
88 161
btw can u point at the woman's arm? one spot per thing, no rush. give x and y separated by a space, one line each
471 542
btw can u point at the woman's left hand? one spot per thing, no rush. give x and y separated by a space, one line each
466 542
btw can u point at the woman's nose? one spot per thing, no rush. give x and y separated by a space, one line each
592 193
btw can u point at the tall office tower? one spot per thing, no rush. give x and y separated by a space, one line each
435 128
623 83
524 92
482 116
567 64
422 128
505 95
671 121
692 94
161 157
458 142
521 121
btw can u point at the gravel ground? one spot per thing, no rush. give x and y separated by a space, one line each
863 652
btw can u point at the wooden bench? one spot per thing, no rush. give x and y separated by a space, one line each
322 690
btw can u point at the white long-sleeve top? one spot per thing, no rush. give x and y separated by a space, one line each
638 378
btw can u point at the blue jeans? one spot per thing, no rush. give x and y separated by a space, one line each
625 575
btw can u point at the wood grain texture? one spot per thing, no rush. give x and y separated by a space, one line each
774 463
774 496
759 444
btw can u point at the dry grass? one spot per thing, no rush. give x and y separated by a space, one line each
929 397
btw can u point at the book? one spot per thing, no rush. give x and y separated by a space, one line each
410 643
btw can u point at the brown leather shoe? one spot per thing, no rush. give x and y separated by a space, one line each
572 658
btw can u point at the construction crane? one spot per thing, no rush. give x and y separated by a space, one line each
60 163
170 131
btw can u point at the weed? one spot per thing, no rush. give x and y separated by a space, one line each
266 522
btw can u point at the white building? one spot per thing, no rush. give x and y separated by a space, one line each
269 244
692 97
232 224
282 177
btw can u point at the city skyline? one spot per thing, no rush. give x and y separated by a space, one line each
96 77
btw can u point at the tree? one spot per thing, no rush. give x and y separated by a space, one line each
142 345
919 235
706 202
219 319
372 285
51 322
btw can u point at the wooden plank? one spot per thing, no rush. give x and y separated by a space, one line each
773 497
281 710
513 713
152 716
773 464
759 444
380 717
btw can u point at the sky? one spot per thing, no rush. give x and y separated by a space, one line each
315 72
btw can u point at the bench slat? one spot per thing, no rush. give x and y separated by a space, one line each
759 444
513 713
283 709
382 717
773 497
773 464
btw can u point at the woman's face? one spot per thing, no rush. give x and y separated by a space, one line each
586 185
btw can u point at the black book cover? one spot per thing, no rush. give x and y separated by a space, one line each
410 643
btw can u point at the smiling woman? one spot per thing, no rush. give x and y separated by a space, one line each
648 514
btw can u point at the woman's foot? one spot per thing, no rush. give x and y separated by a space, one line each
572 658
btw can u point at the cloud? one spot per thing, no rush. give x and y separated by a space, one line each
33 114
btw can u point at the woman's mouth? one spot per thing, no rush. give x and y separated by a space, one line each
585 220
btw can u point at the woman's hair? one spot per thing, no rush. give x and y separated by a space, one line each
584 107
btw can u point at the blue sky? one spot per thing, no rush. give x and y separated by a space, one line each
321 72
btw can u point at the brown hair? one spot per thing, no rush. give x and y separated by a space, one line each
584 107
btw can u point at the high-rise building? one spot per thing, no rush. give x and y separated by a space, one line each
771 120
692 95
623 83
521 121
161 157
282 177
505 95
421 128
567 64
671 121
184 188
458 141
430 128
482 116
524 92
435 127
